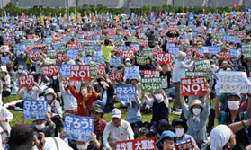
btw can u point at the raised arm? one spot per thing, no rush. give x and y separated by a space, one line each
217 101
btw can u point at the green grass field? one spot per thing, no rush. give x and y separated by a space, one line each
107 116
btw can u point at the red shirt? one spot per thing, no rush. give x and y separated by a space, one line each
99 127
89 102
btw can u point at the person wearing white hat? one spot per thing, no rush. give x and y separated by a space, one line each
116 130
178 73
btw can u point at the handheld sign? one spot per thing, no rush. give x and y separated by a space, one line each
224 55
34 109
101 70
143 42
141 60
26 80
184 144
164 58
5 60
151 73
115 61
61 57
127 54
152 84
138 144
246 49
190 52
78 128
131 72
126 93
193 86
191 74
72 53
157 51
89 50
116 76
34 54
80 72
65 70
147 52
202 65
49 70
233 82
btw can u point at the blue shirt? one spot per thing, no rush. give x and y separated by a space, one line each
134 112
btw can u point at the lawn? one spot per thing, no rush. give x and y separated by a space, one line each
107 116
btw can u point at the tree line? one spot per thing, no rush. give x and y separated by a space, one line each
13 10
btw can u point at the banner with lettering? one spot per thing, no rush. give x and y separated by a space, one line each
34 54
126 93
116 76
224 55
151 73
34 109
80 72
202 65
26 80
193 86
164 58
138 144
152 84
49 70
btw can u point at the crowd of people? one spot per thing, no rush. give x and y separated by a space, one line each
117 36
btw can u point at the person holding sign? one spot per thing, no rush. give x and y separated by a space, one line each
116 130
197 116
29 93
180 131
159 104
20 72
5 117
5 81
179 72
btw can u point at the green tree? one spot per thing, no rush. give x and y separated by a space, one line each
146 9
92 8
48 10
10 8
100 8
86 8
80 9
71 10
170 8
106 9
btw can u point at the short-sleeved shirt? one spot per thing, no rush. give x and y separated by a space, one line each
116 134
107 51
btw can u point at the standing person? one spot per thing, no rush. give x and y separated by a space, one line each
107 51
151 38
197 116
6 83
166 76
70 102
178 73
99 122
116 130
21 59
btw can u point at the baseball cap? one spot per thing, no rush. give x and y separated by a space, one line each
127 59
167 133
97 108
21 137
116 113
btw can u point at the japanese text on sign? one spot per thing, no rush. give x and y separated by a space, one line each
152 84
151 73
138 144
80 72
78 128
193 86
34 109
26 80
126 93
131 72
49 70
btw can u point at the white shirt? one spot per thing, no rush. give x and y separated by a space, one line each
70 102
180 68
115 134
5 113
50 144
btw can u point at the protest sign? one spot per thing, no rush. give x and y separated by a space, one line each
126 93
78 128
141 60
117 49
219 35
50 70
184 144
34 54
86 60
246 49
61 57
127 54
72 53
191 74
134 49
80 72
193 86
233 33
242 35
94 70
101 69
131 72
116 76
48 41
34 109
190 51
118 42
172 40
138 144
81 52
235 52
51 53
202 65
232 82
172 26
164 58
89 50
5 60
147 52
99 59
173 50
115 61
152 84
143 42
65 70
62 49
157 51
7 42
65 83
224 55
151 73
26 80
